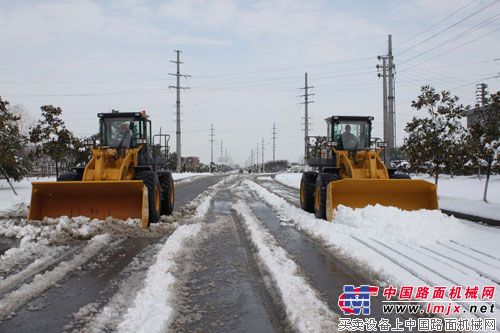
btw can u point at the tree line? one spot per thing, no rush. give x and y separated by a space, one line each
47 146
437 142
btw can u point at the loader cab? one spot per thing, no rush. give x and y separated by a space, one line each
349 132
124 129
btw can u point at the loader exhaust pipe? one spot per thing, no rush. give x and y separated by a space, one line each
406 194
93 199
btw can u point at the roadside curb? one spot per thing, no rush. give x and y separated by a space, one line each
473 218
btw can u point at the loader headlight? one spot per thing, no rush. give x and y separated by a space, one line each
381 144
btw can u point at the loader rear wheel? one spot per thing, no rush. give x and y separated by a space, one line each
150 179
69 177
168 193
307 190
320 193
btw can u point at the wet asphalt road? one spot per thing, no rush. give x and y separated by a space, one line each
96 281
224 290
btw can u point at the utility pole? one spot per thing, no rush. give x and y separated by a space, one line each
178 106
391 95
262 154
212 148
306 117
221 155
384 98
257 158
274 142
388 96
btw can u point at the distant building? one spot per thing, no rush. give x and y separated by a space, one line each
191 160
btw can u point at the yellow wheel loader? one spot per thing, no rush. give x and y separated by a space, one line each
120 180
350 172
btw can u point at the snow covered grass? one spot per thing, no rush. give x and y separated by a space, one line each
184 175
305 311
152 309
466 187
461 193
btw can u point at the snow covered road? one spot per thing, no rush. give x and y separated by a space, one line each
238 256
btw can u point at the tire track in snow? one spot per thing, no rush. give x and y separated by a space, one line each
476 258
12 301
222 288
444 280
152 309
453 258
475 250
305 311
38 265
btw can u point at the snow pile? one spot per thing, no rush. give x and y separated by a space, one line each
406 226
373 221
64 229
289 179
152 309
16 208
48 279
305 311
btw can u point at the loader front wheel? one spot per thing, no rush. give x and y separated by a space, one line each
150 179
320 193
168 194
307 190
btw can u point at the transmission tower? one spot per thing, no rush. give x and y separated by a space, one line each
178 105
306 116
274 142
212 148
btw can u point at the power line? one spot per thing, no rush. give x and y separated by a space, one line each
448 27
284 68
435 24
459 46
455 37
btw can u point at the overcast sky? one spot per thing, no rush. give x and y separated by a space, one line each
247 61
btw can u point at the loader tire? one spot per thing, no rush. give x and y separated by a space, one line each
168 192
399 176
307 184
320 194
150 179
69 177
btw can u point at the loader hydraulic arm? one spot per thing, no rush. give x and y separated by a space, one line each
364 164
106 164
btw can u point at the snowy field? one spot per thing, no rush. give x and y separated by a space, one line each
9 203
461 194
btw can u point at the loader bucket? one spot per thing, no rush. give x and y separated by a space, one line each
93 199
406 194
